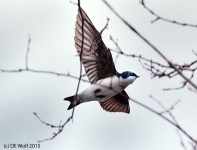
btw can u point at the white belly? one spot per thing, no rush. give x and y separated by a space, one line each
102 89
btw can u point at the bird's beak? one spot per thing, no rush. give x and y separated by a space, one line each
137 76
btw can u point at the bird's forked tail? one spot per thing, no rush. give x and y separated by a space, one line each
72 101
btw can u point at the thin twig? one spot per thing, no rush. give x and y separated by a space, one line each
60 127
105 27
28 48
165 118
164 19
42 71
195 53
116 43
181 140
167 110
73 3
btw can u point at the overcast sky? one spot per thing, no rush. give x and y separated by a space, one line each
51 26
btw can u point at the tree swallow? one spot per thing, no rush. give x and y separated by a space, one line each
107 85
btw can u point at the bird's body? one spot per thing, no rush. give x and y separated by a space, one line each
107 85
104 89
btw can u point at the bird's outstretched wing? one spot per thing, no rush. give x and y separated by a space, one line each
96 58
118 103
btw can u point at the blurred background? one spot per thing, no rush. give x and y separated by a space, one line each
51 25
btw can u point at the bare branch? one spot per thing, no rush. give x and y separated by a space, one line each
165 118
154 67
42 71
184 83
60 127
167 110
164 19
171 64
181 140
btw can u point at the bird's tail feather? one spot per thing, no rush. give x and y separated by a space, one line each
72 101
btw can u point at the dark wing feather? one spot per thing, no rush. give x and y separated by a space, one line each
118 103
96 58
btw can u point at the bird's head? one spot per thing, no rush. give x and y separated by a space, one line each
128 76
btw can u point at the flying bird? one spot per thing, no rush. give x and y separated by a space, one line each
107 85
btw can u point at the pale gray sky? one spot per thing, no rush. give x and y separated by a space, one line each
51 26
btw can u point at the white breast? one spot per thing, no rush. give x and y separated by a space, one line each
103 89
